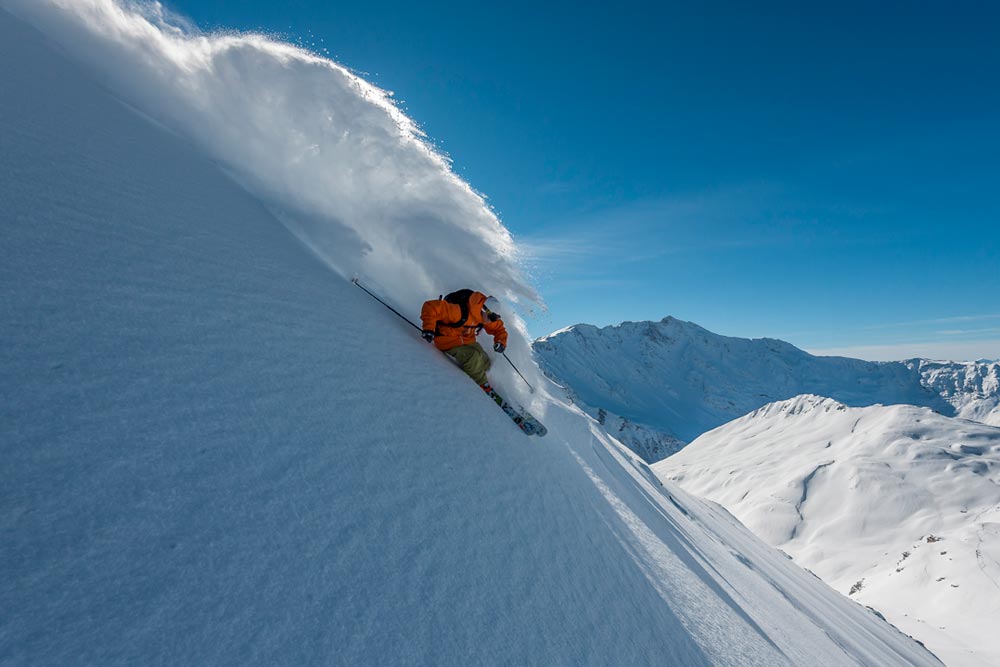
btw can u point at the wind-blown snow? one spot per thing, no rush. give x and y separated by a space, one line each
324 149
217 451
895 505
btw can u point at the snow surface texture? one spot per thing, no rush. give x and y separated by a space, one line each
217 451
671 381
895 505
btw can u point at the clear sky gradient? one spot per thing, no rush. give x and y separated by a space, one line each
828 175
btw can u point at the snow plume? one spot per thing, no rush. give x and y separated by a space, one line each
327 152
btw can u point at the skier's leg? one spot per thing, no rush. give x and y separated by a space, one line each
473 360
480 363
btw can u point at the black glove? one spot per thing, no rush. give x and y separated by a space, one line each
428 335
499 347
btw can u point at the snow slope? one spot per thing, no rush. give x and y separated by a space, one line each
895 505
218 451
671 381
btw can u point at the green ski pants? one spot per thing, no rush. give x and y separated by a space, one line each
473 360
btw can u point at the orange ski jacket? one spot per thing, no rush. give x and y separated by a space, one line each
445 320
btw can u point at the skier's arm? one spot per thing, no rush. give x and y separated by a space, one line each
497 330
430 315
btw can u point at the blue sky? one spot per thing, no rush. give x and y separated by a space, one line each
828 175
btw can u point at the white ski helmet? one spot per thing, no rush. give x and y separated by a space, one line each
491 307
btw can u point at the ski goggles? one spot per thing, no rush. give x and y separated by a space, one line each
489 309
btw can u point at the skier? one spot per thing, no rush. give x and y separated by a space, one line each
452 323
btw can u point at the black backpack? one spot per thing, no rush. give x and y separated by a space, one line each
460 299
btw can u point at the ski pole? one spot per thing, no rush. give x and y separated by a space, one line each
401 316
518 372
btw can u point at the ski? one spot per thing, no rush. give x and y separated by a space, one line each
524 420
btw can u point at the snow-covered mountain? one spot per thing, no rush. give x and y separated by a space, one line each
972 389
896 506
671 381
219 451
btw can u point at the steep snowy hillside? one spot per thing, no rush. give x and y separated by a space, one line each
218 451
896 506
670 381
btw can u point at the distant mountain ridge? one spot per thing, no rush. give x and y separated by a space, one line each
659 385
972 388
